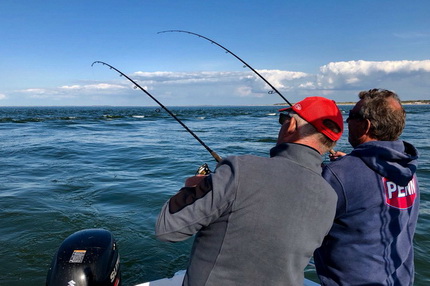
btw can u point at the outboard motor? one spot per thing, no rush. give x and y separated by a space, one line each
86 258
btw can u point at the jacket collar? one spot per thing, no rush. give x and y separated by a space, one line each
302 154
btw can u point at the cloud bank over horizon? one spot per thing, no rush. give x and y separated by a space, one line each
337 80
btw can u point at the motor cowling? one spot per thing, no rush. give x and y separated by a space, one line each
86 258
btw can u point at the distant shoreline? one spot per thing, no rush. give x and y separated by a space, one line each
405 102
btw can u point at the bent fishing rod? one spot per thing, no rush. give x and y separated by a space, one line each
213 153
237 57
234 55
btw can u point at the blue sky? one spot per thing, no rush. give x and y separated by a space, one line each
327 48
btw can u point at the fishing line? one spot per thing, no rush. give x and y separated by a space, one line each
136 85
274 90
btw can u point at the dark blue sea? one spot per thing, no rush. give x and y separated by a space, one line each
65 169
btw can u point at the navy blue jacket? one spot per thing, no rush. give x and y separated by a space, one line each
370 242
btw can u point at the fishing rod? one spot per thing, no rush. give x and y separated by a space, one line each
234 55
204 167
237 57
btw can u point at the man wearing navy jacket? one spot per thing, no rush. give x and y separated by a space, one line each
370 242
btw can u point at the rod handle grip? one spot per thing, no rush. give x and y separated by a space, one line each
216 156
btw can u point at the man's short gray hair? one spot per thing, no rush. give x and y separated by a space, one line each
306 130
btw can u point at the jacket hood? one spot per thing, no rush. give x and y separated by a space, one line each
394 160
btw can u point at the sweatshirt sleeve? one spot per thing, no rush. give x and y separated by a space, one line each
193 208
337 185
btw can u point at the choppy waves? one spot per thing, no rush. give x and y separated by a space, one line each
69 168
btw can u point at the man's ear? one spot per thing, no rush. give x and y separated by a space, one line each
367 126
293 126
286 133
363 131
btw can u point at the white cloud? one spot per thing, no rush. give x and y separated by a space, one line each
98 86
162 77
367 67
77 93
339 75
244 91
285 80
38 92
34 90
342 78
70 87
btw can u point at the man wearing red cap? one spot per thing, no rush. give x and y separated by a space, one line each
258 220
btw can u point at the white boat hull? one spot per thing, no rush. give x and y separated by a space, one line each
177 279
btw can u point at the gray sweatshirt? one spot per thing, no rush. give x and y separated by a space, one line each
258 220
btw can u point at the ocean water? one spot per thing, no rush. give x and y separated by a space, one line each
65 169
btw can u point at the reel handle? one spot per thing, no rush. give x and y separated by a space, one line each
203 170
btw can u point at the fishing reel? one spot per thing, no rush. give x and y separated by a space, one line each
203 170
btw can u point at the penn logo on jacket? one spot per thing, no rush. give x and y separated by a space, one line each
401 197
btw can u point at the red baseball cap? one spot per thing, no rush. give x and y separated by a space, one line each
316 110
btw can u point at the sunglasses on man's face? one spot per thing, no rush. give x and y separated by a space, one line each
283 117
354 115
